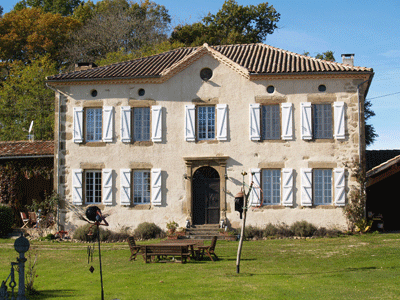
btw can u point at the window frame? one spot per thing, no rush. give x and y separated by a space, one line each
134 188
96 187
271 192
324 197
271 120
207 129
133 127
96 130
320 134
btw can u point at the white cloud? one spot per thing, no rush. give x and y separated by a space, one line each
391 54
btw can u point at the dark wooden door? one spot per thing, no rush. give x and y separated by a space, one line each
206 199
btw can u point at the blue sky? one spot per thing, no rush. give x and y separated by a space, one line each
369 29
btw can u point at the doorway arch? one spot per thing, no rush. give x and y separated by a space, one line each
206 196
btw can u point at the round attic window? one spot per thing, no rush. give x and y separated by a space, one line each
93 93
322 88
141 92
206 74
270 89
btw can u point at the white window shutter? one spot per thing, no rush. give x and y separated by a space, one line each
78 125
306 120
287 187
126 124
190 123
306 187
107 182
108 124
125 181
222 122
255 195
156 123
339 119
156 187
255 129
340 188
77 187
287 121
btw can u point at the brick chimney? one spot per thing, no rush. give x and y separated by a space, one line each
84 66
348 59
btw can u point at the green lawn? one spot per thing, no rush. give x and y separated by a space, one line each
351 267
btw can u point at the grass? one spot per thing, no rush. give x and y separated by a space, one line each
349 267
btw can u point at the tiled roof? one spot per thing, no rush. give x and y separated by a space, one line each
376 157
26 148
255 58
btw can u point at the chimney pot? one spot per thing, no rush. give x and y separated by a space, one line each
348 59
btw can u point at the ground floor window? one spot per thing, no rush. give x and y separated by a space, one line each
93 186
322 186
141 186
271 186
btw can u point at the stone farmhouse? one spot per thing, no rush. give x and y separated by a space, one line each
167 137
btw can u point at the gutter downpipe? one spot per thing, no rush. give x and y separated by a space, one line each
58 152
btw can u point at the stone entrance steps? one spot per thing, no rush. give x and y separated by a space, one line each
203 232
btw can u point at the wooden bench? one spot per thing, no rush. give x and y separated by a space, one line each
150 251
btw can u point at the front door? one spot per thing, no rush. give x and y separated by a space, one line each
206 202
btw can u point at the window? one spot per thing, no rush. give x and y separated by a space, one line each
141 187
266 122
322 121
94 118
141 124
271 123
322 186
206 122
93 187
271 186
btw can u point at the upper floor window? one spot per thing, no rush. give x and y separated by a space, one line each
94 120
141 124
206 122
322 121
271 122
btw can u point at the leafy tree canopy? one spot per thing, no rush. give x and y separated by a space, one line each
63 7
29 32
24 98
112 26
232 24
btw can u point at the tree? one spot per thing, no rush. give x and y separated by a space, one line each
328 55
30 32
232 24
24 98
63 7
115 26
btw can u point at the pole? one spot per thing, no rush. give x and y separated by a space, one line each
246 197
101 271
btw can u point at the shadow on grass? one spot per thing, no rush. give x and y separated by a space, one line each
308 273
52 294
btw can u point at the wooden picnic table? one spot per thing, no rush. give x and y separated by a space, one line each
183 248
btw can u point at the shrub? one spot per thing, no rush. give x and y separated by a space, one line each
324 232
146 231
270 230
81 233
251 232
6 220
303 228
283 230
